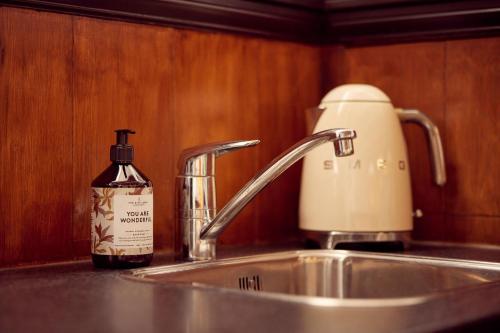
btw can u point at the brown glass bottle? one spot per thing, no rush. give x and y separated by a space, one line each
121 176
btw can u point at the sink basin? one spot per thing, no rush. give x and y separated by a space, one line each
320 275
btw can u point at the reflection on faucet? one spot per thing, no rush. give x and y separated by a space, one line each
200 225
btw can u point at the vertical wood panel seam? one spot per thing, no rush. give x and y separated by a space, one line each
3 141
323 77
445 120
73 75
172 51
256 213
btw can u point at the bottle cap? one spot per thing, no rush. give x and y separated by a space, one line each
122 152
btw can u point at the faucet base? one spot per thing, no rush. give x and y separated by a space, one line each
194 248
335 239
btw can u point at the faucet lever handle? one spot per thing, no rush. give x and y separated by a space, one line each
200 160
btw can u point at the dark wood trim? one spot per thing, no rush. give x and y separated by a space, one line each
346 4
404 20
310 21
266 19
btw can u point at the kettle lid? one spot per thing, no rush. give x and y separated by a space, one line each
355 93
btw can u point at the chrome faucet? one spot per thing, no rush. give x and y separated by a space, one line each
199 223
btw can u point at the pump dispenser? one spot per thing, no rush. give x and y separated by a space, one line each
122 152
122 211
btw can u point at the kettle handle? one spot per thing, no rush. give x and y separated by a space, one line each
434 140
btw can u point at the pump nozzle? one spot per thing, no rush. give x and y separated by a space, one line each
122 152
122 136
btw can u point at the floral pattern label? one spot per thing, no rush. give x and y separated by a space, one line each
122 221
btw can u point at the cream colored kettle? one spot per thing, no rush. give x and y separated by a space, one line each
365 197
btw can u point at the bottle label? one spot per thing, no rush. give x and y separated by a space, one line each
122 221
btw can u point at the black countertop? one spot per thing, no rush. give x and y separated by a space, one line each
76 297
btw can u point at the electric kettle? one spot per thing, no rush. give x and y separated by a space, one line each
365 197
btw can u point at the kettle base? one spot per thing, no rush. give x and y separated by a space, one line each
379 241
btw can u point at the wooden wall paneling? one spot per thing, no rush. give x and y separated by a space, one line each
472 229
333 66
66 83
123 79
458 228
35 140
473 127
433 226
3 130
289 83
412 76
216 100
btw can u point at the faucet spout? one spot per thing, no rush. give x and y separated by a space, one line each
342 144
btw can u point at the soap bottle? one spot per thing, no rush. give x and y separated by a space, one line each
122 211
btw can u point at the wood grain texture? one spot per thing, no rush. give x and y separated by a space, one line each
36 141
458 228
216 100
412 76
3 129
123 79
176 89
230 88
431 226
473 126
288 84
472 229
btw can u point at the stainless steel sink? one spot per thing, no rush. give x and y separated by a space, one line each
325 277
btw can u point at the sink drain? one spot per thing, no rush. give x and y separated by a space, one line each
250 283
